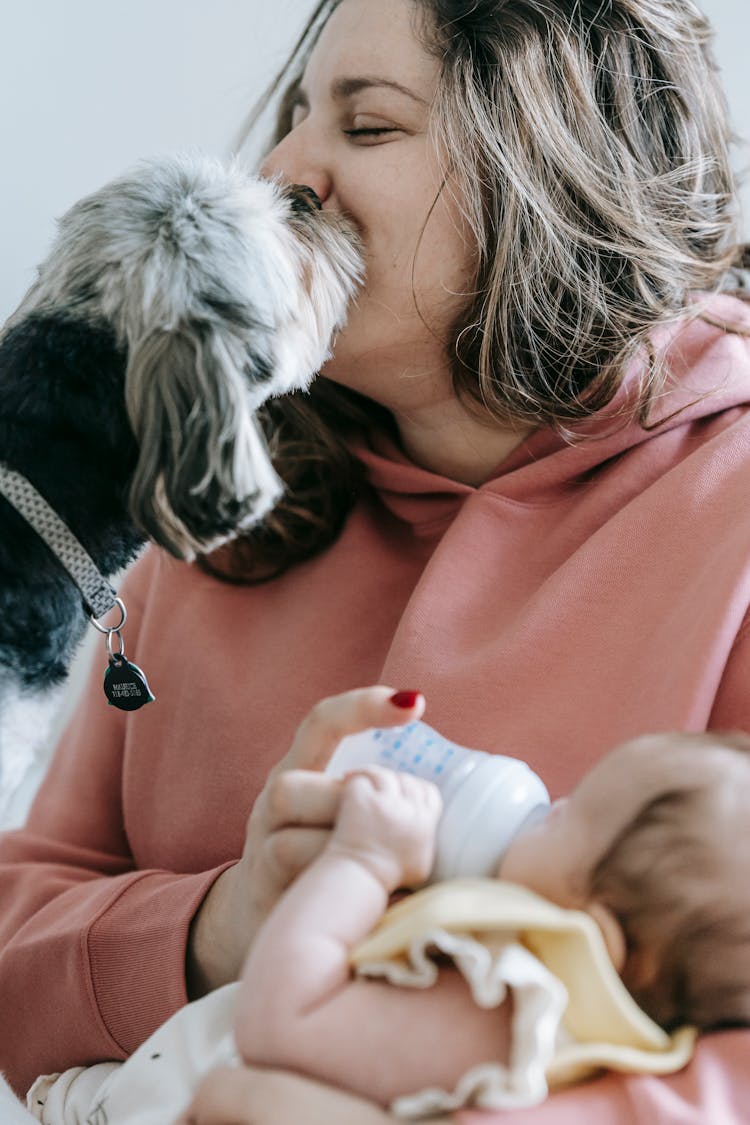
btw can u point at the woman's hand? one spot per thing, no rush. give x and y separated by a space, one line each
248 1096
288 826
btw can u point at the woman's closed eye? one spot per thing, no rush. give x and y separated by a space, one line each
364 126
373 131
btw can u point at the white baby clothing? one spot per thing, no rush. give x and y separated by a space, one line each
155 1084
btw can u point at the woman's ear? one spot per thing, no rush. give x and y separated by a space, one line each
612 932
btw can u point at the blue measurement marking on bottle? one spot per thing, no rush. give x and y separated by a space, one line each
393 749
412 749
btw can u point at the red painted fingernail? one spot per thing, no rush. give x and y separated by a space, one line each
405 699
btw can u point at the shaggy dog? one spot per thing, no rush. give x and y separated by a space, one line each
173 303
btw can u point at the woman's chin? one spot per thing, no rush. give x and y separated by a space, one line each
349 369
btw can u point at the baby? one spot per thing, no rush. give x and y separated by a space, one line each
652 844
648 859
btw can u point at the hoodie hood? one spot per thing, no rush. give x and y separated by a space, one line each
708 365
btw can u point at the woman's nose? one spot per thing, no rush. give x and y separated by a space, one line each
292 162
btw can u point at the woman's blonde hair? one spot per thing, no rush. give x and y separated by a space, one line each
587 144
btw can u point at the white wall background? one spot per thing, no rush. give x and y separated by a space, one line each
89 86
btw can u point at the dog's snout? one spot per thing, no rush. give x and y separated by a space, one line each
303 198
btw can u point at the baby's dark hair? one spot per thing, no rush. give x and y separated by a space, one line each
677 879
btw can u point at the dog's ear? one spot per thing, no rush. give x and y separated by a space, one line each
203 471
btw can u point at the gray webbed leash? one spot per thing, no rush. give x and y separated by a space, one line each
125 684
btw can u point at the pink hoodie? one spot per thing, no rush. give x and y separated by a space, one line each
585 594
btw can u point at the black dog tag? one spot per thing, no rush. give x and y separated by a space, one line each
125 685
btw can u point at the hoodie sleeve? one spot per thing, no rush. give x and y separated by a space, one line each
92 951
714 1087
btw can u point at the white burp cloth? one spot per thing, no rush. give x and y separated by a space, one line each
572 1015
491 968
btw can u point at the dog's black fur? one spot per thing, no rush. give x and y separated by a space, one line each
61 381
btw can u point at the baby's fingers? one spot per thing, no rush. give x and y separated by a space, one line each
380 778
420 791
417 791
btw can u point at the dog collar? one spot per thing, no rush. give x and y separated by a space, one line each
98 596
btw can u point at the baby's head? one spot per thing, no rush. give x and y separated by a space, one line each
655 843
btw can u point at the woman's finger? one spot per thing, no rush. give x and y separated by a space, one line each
332 719
249 1096
300 797
290 850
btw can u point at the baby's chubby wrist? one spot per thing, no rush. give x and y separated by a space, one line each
377 864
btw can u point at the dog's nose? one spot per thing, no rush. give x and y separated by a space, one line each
303 198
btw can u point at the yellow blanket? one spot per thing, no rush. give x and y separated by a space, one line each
604 1025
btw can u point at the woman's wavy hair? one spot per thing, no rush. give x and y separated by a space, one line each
587 142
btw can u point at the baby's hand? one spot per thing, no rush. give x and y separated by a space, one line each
387 821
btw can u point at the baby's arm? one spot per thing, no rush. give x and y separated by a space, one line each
298 1006
383 838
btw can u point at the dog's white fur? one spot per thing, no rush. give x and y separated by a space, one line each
26 723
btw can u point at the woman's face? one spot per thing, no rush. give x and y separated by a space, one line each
359 138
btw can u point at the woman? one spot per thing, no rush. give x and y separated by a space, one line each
520 487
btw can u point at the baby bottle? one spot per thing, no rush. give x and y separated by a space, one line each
487 798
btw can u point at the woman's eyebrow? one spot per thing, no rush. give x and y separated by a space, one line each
344 88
